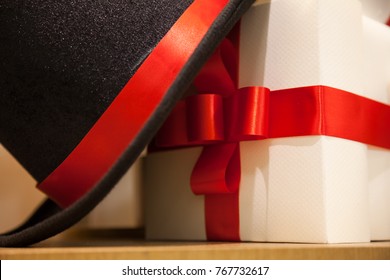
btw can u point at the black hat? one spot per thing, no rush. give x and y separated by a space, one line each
85 85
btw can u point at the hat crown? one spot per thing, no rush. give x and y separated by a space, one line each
62 64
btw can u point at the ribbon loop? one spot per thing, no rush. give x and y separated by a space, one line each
217 170
210 118
204 116
246 114
219 74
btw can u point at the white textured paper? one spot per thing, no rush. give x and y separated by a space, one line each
172 211
317 186
123 206
253 194
377 87
376 60
378 10
288 43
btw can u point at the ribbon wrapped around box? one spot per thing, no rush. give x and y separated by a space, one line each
279 154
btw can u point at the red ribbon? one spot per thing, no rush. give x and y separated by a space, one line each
129 112
303 111
225 115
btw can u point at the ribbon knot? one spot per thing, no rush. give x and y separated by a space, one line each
205 119
218 117
219 123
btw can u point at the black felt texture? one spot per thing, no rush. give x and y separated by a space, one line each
42 227
63 62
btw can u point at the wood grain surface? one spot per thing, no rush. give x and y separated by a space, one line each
131 245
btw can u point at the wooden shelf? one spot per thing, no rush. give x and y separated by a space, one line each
131 245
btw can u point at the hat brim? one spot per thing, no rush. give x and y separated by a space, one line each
50 219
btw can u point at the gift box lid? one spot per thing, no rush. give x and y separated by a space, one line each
86 84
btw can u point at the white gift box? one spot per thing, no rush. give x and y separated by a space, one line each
311 189
377 87
122 208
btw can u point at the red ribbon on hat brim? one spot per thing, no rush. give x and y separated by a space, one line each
221 115
102 146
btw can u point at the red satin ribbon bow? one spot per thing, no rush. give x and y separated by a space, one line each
218 120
